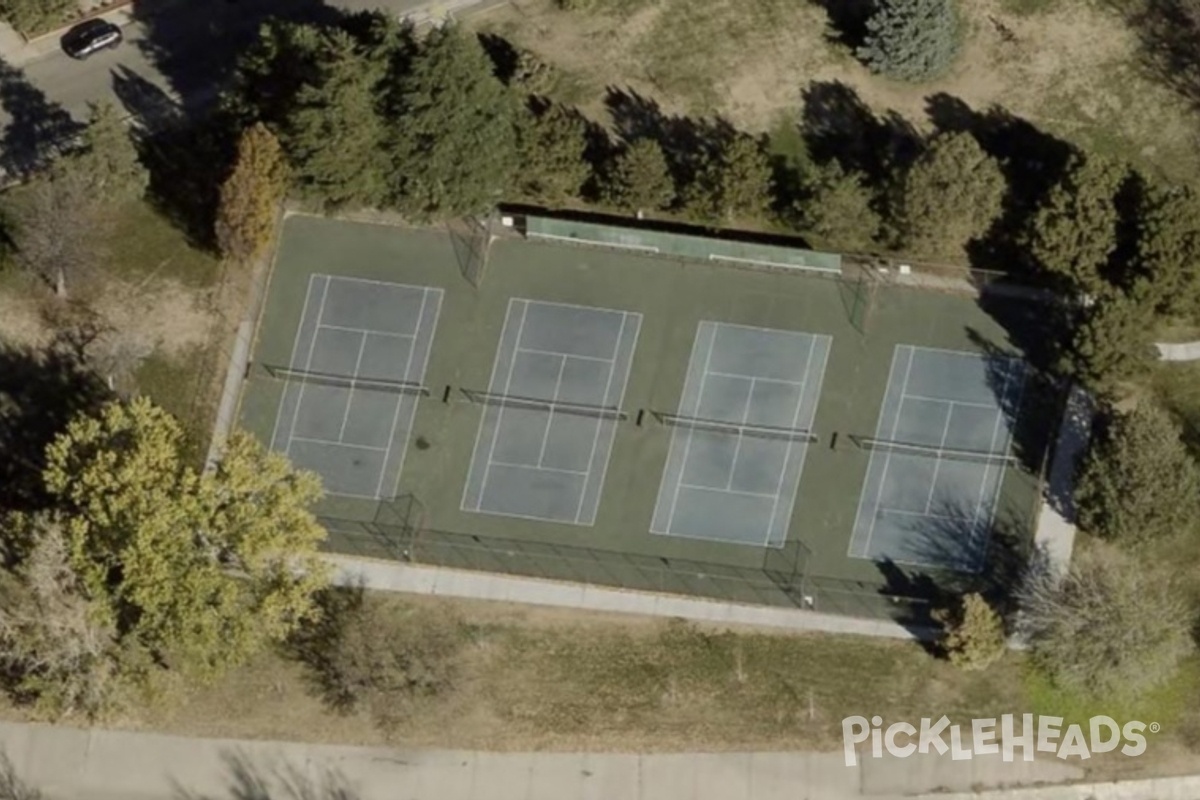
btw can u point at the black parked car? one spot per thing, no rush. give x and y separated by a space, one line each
87 37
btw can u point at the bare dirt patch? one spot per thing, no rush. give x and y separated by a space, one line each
1073 70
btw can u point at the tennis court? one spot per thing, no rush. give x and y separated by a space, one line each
551 410
353 381
939 455
741 434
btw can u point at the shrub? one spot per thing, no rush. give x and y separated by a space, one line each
974 637
912 40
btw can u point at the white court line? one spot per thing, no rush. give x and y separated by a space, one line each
937 464
758 378
787 457
951 402
539 468
697 487
737 447
963 353
371 331
1014 363
541 352
687 447
483 417
897 512
887 455
504 392
339 444
351 279
562 366
758 328
612 370
362 348
312 347
400 400
291 360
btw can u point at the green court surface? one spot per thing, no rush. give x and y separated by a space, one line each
642 421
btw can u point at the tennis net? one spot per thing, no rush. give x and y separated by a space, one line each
931 451
539 404
346 381
736 429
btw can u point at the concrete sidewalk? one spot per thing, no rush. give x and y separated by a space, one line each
72 764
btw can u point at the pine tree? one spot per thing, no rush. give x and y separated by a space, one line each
1111 340
639 179
334 136
974 637
251 195
1168 247
108 158
951 195
1138 482
912 40
1074 233
551 147
734 184
836 211
455 137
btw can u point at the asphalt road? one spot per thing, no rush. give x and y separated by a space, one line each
180 52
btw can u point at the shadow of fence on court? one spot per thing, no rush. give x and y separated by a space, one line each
782 579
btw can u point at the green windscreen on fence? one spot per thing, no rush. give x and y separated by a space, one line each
700 248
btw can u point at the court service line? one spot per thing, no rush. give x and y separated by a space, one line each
312 347
758 378
737 446
400 400
970 403
539 468
339 444
612 370
697 487
500 411
887 455
369 331
687 447
937 464
539 351
292 362
562 366
787 455
362 348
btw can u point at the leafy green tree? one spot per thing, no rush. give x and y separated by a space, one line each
335 136
551 146
951 195
1138 481
455 134
196 571
32 17
251 195
1110 627
108 159
735 184
912 40
1074 233
974 636
1111 340
640 179
1168 247
836 211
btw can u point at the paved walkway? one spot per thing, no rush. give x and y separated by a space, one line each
58 763
390 576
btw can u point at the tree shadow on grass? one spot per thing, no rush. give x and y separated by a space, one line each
41 390
839 126
1169 34
848 20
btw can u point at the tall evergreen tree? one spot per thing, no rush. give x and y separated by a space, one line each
1074 233
455 137
1168 247
912 40
951 195
251 195
836 211
735 183
335 135
109 158
551 145
1112 339
639 179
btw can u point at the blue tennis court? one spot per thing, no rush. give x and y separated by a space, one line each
938 458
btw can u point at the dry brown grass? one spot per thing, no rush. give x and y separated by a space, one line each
1072 70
